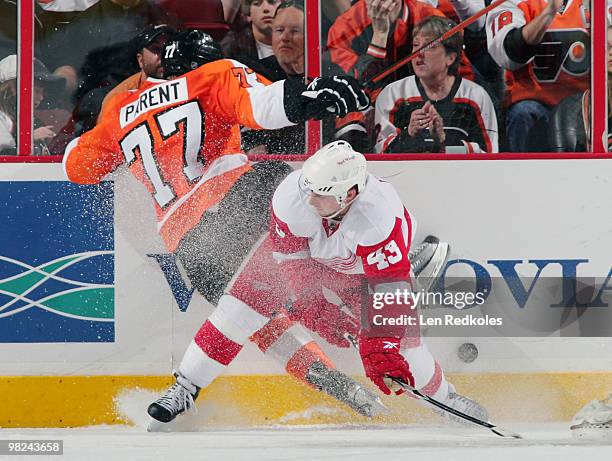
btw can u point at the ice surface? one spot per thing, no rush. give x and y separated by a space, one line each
550 441
202 438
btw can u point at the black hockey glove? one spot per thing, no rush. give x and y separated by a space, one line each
324 97
339 95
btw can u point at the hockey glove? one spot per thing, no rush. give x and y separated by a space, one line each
381 358
339 95
305 279
323 97
328 320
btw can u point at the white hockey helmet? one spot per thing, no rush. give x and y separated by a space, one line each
334 170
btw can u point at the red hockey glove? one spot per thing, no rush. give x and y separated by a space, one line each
381 358
328 320
305 279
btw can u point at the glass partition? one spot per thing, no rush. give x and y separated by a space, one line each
104 47
495 86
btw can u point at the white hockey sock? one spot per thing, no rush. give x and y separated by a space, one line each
428 375
219 340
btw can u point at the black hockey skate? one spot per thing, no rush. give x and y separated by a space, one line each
341 387
179 398
427 261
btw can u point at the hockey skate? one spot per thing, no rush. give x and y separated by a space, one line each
465 405
594 421
179 398
428 260
346 390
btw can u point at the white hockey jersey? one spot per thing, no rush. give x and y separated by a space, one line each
373 238
468 115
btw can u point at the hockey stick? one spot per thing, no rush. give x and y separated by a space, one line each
371 83
495 429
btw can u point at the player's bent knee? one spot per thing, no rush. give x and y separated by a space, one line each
236 319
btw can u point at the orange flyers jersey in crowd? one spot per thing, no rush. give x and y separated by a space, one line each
181 138
562 60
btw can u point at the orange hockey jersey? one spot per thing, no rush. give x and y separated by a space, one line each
561 64
181 138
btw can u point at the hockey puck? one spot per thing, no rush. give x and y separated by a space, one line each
467 352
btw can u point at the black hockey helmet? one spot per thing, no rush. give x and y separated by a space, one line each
187 50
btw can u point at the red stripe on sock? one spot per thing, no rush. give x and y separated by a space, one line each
215 344
434 383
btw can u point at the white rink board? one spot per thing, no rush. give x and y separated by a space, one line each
519 210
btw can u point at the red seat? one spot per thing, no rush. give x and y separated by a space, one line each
206 15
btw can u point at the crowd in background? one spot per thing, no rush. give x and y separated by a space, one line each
515 80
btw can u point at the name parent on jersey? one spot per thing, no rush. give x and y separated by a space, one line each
164 94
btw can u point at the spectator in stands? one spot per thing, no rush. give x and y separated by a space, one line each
251 40
43 79
368 38
287 61
544 47
435 110
149 43
106 27
288 40
487 73
570 125
99 43
374 34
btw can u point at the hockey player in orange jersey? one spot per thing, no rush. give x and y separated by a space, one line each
544 45
181 138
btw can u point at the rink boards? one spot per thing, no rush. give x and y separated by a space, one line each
87 312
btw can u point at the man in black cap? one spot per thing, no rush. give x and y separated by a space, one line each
149 44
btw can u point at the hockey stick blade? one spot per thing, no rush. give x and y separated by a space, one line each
495 429
371 83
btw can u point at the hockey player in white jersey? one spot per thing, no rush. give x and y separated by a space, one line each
336 225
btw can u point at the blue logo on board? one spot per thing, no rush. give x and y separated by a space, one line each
56 262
